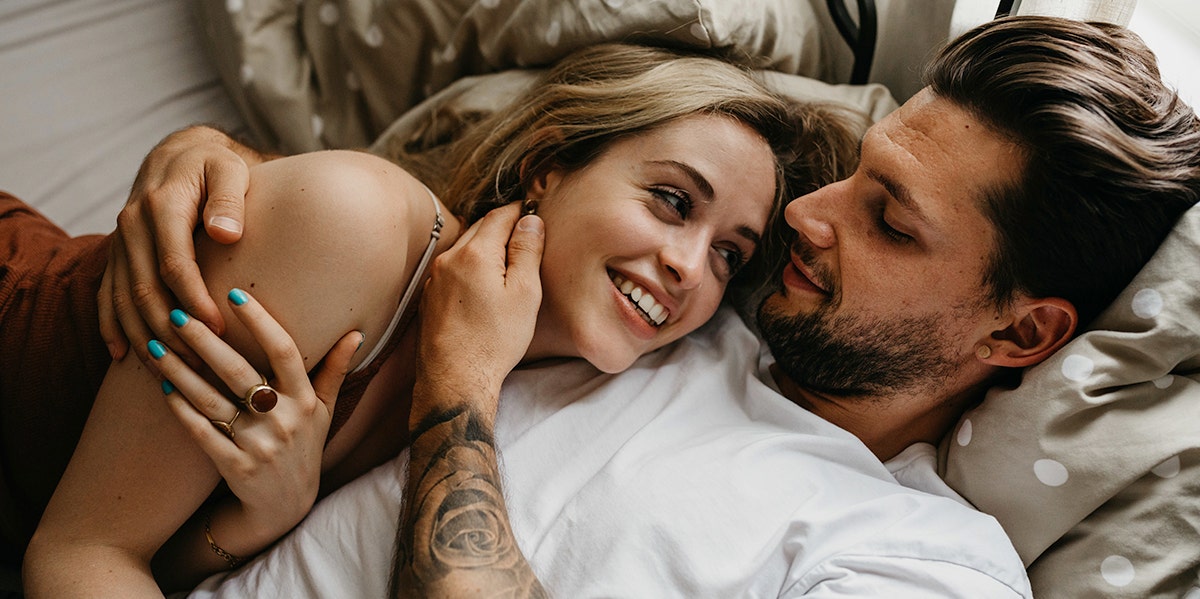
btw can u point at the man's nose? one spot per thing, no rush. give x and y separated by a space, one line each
807 216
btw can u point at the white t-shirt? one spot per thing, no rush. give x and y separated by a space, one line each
686 476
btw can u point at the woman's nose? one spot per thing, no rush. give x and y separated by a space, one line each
686 260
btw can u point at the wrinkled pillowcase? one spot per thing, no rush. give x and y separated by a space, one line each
1092 464
335 73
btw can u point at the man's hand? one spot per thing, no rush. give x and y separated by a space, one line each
477 319
152 252
480 307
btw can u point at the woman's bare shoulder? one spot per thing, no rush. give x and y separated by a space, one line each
342 193
331 240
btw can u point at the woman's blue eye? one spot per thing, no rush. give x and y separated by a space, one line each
677 199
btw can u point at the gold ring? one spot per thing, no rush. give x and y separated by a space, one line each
260 398
227 427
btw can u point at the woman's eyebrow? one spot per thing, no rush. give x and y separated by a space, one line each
706 190
750 234
698 179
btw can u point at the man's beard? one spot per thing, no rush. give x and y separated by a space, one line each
851 356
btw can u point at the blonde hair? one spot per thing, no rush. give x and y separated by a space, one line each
606 92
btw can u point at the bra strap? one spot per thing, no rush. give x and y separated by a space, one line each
417 278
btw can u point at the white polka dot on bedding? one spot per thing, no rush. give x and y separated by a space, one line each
964 433
1147 303
1117 570
1050 472
1077 368
1168 469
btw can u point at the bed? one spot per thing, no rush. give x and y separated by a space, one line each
1092 464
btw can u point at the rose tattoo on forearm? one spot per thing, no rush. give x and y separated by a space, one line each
454 537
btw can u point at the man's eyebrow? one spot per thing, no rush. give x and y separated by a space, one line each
698 179
901 193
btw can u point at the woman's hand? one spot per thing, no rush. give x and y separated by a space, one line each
192 168
268 453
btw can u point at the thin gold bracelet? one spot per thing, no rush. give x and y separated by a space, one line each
231 559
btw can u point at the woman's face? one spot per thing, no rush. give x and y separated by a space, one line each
641 242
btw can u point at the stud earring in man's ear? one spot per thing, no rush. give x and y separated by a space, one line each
983 352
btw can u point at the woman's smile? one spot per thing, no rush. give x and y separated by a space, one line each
641 242
650 308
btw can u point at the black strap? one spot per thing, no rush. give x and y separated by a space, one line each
1005 8
860 36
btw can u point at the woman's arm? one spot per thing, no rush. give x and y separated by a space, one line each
327 247
477 319
271 461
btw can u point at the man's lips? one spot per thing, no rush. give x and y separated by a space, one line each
797 274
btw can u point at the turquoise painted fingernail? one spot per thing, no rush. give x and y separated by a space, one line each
237 296
178 317
157 349
168 388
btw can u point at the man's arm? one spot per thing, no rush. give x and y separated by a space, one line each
194 169
454 537
477 319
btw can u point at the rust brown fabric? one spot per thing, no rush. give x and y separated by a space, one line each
52 361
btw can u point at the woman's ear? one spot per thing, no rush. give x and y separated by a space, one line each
538 164
538 185
1039 327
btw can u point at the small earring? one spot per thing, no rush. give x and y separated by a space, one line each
983 352
529 206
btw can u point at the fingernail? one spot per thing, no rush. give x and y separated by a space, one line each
530 223
238 297
225 223
361 338
157 349
168 388
112 351
178 317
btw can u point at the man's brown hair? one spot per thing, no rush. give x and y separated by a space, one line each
1111 154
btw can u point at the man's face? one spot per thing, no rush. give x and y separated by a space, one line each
884 293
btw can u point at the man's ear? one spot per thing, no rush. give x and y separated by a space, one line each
1039 327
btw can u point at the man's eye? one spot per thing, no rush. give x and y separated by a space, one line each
677 199
892 232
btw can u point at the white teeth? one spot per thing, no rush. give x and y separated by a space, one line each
647 303
653 311
656 311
